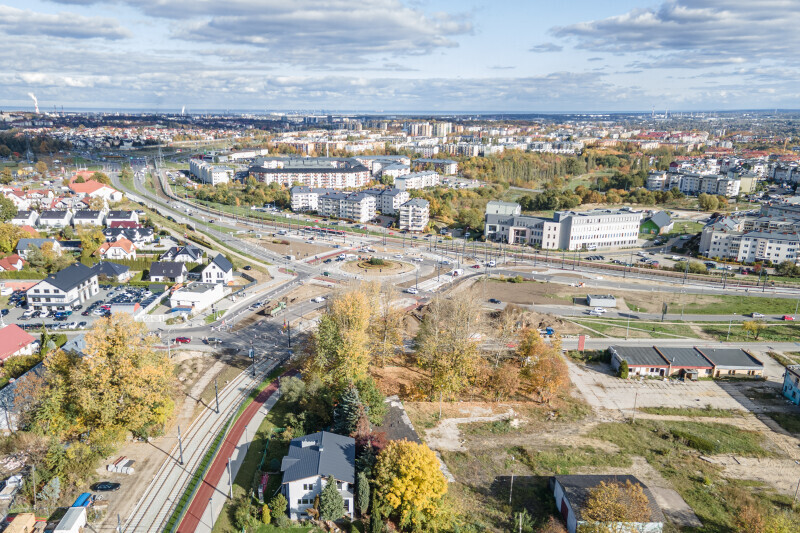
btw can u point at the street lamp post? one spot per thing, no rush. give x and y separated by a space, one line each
729 328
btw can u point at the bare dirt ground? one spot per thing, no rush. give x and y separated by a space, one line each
782 474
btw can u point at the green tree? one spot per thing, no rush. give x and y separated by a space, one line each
708 202
7 209
242 512
346 413
278 504
331 503
362 493
6 176
623 369
756 327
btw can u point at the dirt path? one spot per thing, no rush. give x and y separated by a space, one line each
447 436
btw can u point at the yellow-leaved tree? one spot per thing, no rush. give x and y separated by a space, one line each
544 370
610 505
408 483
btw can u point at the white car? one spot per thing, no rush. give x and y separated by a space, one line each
318 299
491 264
418 259
398 256
595 312
412 290
600 310
757 315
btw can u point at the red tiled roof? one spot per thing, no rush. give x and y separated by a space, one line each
12 339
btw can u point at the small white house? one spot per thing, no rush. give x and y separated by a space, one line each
197 296
219 270
55 219
121 249
88 217
309 463
16 341
25 218
572 492
169 271
74 521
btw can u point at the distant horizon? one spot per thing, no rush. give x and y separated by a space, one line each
268 112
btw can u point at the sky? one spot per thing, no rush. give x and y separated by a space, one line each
389 56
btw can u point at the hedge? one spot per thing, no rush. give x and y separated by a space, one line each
22 274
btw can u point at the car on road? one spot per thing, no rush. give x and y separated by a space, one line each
757 315
318 299
213 340
595 312
183 340
418 259
494 301
788 317
476 266
328 260
491 264
600 310
412 290
106 486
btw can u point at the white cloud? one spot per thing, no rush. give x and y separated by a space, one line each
15 21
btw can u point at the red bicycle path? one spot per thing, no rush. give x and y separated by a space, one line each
197 508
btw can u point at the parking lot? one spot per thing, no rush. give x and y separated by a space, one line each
82 316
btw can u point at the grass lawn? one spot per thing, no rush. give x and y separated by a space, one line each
563 460
693 412
674 449
617 327
741 305
776 333
788 421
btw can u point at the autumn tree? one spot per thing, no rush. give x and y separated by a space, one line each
408 483
10 236
97 203
447 343
505 381
101 178
614 503
41 167
385 329
6 176
91 238
756 327
544 370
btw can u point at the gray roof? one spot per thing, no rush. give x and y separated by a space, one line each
86 214
76 345
109 269
120 215
416 202
24 244
70 277
661 219
192 251
577 489
731 358
639 355
496 207
54 215
320 454
439 161
169 269
685 357
222 262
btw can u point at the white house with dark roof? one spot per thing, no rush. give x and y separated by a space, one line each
219 270
16 341
183 254
112 271
122 216
310 461
24 246
25 218
65 289
88 217
169 271
55 219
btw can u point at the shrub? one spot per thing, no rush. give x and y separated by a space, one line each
376 261
623 369
694 441
266 516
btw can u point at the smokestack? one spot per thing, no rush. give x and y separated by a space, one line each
35 102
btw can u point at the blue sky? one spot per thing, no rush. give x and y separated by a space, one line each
401 55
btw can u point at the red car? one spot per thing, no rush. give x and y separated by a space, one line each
476 266
183 340
788 317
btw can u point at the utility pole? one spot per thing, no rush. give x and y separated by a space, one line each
180 446
636 397
216 394
511 488
230 480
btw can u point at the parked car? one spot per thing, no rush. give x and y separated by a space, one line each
494 301
318 299
106 486
788 317
247 267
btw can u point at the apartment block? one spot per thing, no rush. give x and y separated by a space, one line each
414 215
417 180
208 173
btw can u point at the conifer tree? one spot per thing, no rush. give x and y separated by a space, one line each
331 503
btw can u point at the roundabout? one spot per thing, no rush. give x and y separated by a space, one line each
377 267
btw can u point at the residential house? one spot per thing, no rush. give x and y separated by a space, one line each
127 224
791 384
73 246
11 263
88 217
168 271
572 494
308 464
65 289
657 224
112 271
55 218
197 296
219 270
119 249
17 197
95 189
24 246
183 254
25 218
137 236
128 216
16 341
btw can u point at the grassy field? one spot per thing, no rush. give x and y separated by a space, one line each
674 449
741 305
788 421
617 328
775 333
692 412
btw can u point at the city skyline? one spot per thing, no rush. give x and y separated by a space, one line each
393 56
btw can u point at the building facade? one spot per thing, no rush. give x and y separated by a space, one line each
209 174
417 180
333 173
791 384
65 289
414 215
